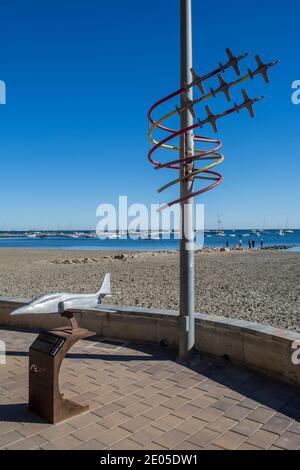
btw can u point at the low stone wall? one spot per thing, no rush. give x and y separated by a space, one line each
261 347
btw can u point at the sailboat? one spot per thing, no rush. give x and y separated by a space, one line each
288 230
220 231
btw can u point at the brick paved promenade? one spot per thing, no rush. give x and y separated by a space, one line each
141 399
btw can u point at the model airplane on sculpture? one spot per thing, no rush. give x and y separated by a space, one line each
60 302
223 88
248 103
233 61
262 69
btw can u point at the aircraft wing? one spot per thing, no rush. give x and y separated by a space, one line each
266 76
229 53
250 109
259 61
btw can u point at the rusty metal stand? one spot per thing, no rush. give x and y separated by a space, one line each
46 355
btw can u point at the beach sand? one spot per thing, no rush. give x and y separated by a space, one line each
260 286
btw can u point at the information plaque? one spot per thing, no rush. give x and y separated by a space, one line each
46 355
48 343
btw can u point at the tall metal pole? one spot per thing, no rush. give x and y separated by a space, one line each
186 312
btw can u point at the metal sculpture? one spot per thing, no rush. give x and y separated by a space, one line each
200 155
60 303
194 163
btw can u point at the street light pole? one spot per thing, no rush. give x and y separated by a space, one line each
186 322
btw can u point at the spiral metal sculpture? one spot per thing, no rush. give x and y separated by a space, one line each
201 163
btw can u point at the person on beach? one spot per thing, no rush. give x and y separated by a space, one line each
261 244
249 243
240 243
253 243
227 244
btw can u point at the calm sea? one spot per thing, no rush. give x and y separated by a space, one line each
67 242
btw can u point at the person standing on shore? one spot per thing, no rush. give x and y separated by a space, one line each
240 243
253 243
261 244
249 243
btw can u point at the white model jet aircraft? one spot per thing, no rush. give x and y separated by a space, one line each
60 302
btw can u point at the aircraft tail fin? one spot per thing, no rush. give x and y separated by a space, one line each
105 288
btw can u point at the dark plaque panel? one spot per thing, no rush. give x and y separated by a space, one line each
48 343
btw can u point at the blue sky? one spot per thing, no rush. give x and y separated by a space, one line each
80 77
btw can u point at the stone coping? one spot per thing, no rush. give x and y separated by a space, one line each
262 347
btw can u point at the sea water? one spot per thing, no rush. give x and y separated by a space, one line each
210 240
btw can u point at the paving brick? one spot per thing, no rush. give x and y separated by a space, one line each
157 412
263 439
295 427
146 392
65 443
186 445
56 432
9 438
92 444
191 393
224 404
30 443
171 438
203 401
128 400
109 397
261 415
134 424
203 437
126 444
82 420
114 420
175 402
249 403
152 446
6 426
167 422
155 400
109 438
186 411
246 446
208 414
172 391
230 440
288 440
221 424
246 427
277 425
129 389
107 410
217 392
135 410
163 384
146 435
33 428
191 426
86 433
237 413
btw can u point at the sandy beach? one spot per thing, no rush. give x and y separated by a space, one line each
260 286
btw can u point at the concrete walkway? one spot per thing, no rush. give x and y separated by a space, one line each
141 399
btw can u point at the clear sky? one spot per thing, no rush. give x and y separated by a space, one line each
80 77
